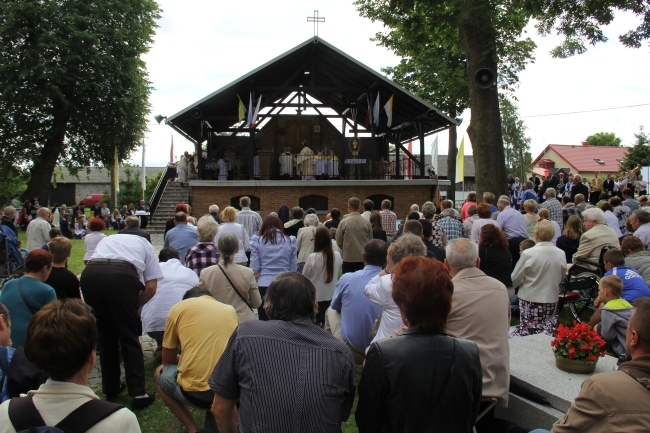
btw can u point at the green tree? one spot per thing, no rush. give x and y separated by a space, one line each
639 153
73 83
515 141
603 139
434 64
482 26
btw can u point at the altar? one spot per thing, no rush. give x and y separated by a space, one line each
355 168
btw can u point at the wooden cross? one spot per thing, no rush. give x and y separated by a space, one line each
316 19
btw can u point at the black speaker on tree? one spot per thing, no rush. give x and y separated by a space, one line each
485 78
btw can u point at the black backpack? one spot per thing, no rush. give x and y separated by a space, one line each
25 417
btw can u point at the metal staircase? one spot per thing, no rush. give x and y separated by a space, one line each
173 193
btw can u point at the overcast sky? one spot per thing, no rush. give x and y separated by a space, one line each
202 45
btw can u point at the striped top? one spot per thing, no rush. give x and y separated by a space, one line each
289 376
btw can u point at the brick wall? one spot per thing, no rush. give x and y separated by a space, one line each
274 196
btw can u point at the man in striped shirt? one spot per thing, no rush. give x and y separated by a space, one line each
288 374
388 218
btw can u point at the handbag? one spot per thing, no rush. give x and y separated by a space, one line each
235 288
22 295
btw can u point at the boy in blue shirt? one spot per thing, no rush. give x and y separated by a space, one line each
633 284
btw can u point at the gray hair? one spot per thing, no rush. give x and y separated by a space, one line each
428 210
132 221
9 210
227 246
311 220
550 192
207 228
577 178
449 212
43 212
461 253
529 184
594 214
407 245
415 208
642 215
213 208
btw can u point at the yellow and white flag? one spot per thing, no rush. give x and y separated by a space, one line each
460 162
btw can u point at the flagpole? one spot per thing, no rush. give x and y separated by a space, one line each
144 171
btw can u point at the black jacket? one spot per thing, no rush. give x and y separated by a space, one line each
420 382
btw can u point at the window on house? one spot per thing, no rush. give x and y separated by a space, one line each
599 161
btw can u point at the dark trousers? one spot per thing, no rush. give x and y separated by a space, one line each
351 267
261 314
112 291
513 247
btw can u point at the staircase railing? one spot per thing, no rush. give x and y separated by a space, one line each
168 173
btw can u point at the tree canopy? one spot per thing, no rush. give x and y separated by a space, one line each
483 30
73 83
515 141
603 139
639 153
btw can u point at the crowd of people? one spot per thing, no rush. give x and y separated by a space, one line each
274 312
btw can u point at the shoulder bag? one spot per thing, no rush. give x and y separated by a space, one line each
235 288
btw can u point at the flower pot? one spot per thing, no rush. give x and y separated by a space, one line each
575 366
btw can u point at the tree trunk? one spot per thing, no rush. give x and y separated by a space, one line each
478 37
451 160
41 172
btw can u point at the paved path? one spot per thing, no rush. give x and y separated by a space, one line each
148 344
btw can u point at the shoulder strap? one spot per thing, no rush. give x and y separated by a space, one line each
25 301
235 288
87 415
23 414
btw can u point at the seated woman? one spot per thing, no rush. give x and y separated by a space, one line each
91 240
538 274
117 222
570 239
424 379
61 341
496 260
81 227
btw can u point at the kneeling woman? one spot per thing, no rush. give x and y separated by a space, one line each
424 379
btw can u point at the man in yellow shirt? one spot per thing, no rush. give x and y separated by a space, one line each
202 326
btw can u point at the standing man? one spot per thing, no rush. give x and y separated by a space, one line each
579 188
536 182
352 234
182 237
367 208
252 222
121 277
608 185
202 326
287 374
141 207
388 219
351 314
480 312
595 185
38 230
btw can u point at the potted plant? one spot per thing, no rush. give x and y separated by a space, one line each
577 348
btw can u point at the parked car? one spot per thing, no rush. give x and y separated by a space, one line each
91 199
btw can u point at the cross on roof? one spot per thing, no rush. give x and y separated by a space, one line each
316 19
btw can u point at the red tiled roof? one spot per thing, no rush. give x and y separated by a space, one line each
583 158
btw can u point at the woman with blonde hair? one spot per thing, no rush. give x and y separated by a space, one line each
538 275
322 268
570 239
530 206
545 214
228 225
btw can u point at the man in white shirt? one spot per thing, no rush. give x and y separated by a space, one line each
38 230
251 220
121 277
379 289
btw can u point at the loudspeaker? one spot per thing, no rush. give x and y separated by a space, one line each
196 113
485 78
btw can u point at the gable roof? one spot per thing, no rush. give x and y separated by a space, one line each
324 74
584 158
100 174
468 167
